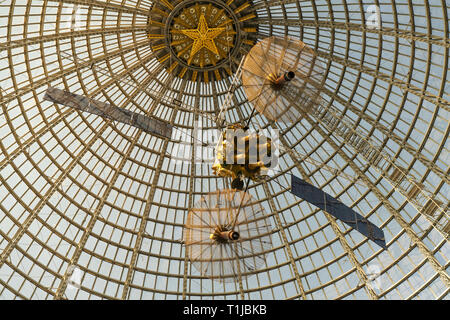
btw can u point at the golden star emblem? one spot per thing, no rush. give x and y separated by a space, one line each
203 37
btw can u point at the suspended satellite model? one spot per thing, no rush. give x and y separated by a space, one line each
227 233
275 73
241 153
282 79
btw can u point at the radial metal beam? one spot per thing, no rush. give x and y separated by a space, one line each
220 119
422 247
59 74
401 221
438 100
191 189
108 6
349 26
273 207
286 244
148 205
70 35
344 243
42 202
235 101
59 294
416 193
215 100
388 132
239 273
87 232
24 227
10 156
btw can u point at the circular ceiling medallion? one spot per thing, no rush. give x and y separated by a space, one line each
202 36
201 40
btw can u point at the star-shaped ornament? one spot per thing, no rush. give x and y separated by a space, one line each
203 37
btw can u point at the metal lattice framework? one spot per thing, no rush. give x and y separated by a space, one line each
90 208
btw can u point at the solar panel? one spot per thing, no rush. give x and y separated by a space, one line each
147 124
324 201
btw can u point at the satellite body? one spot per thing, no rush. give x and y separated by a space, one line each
241 153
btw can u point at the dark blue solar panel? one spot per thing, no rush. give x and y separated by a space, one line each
337 209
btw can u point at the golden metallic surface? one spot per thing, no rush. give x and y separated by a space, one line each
207 38
223 167
203 38
201 35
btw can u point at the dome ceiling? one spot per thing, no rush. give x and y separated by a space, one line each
93 209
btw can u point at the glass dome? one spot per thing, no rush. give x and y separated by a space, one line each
96 209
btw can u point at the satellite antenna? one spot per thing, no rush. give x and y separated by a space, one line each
278 71
227 235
